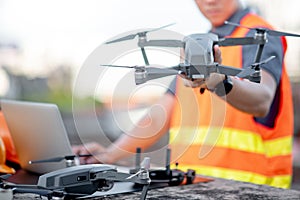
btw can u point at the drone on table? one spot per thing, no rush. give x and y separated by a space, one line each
199 55
80 181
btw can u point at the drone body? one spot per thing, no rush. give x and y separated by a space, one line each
77 179
199 57
199 49
80 181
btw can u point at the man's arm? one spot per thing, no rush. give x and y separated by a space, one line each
253 98
148 130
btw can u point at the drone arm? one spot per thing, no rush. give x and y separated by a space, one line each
158 43
161 43
150 73
144 192
203 71
33 189
259 53
111 175
230 71
142 177
239 41
145 56
123 177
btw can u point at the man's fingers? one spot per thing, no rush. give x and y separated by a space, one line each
195 83
93 159
217 54
94 147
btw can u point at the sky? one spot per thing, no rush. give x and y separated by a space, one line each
71 29
51 32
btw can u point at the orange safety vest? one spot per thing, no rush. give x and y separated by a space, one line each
215 139
11 153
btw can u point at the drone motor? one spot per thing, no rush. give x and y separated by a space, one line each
140 75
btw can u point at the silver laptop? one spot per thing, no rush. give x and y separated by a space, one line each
38 133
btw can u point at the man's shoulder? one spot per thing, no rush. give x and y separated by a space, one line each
253 20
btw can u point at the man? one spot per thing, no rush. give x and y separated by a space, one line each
243 133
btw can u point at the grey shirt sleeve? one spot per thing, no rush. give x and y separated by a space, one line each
273 47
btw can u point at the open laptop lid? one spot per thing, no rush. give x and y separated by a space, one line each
38 133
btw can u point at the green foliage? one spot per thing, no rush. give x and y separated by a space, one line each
64 100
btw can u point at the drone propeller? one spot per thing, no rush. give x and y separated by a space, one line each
143 74
141 34
121 66
269 31
58 159
145 165
264 61
159 28
253 68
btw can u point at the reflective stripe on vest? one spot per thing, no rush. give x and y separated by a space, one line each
213 159
228 137
11 153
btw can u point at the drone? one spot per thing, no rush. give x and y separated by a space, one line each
171 177
199 56
80 181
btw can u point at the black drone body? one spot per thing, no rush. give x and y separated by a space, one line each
199 55
80 181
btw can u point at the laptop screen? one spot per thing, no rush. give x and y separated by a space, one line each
38 133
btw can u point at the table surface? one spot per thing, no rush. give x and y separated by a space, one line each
216 188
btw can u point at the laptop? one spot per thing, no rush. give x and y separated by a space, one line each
38 133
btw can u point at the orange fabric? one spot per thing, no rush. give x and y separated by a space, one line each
3 167
11 153
191 110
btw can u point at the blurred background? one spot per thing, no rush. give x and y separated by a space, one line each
43 45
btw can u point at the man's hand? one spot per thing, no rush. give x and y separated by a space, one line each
211 81
217 54
98 152
199 82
